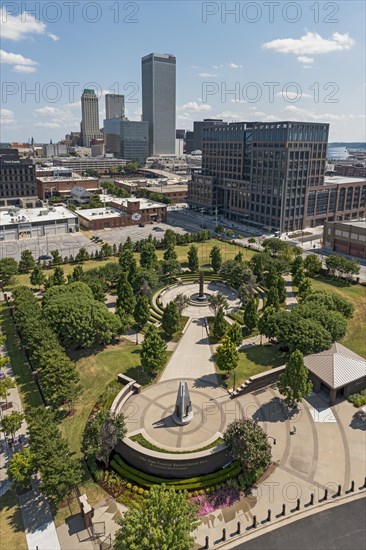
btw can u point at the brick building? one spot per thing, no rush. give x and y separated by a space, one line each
62 185
122 213
346 237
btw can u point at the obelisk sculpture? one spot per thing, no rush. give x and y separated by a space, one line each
183 407
201 296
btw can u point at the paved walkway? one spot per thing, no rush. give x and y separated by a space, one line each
38 523
291 300
193 355
318 455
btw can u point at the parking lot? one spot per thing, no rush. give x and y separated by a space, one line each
70 244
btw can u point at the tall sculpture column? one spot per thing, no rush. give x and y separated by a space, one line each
183 413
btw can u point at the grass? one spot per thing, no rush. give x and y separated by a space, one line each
139 438
355 337
228 252
12 533
255 360
28 391
23 279
176 336
95 494
97 371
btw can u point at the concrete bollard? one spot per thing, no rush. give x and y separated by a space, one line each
326 494
269 515
206 543
238 529
224 534
311 499
283 509
298 504
339 492
254 522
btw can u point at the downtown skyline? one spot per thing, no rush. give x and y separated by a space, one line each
227 67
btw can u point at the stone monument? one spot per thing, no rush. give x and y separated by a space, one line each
183 407
201 296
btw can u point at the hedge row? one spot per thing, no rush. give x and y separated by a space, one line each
147 480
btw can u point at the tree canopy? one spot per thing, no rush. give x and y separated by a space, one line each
102 432
165 520
294 382
246 441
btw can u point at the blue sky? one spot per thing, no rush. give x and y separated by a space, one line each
284 61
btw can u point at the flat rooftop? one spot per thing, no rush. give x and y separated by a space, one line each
144 203
34 215
341 180
58 179
361 223
100 213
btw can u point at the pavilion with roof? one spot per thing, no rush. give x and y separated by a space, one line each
338 370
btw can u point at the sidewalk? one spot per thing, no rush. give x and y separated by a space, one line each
38 523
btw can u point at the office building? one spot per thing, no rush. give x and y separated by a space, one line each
127 139
18 180
194 140
114 106
272 176
159 101
90 117
54 149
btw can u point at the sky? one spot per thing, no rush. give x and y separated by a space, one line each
246 61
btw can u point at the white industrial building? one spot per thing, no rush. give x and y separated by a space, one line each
18 223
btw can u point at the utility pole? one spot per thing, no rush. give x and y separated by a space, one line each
202 211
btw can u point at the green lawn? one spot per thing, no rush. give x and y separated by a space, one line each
355 336
12 535
256 360
27 389
228 252
97 371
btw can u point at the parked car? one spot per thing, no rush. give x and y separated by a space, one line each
141 225
158 229
45 258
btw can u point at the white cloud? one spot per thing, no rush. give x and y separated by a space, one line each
18 27
234 66
21 64
305 59
53 37
310 43
296 113
217 66
48 111
207 75
47 125
292 95
6 117
24 69
237 101
194 107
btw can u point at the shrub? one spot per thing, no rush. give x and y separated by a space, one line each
135 489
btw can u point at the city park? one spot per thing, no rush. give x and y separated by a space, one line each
190 378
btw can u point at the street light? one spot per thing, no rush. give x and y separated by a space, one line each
270 437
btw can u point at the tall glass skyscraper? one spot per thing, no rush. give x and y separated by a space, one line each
159 101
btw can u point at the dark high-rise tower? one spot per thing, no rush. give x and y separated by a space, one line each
114 106
159 101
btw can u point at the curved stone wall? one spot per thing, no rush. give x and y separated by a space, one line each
172 466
